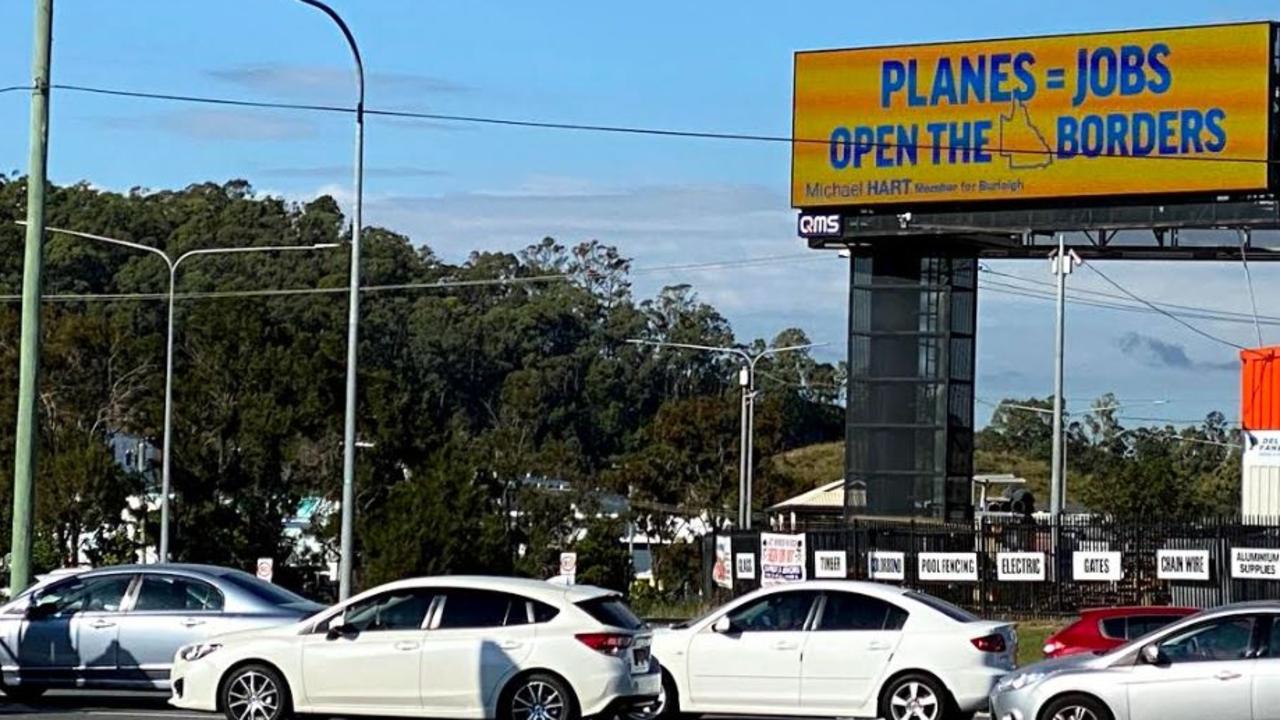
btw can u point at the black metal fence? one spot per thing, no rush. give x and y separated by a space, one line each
1059 593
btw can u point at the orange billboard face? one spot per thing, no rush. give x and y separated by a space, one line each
1113 114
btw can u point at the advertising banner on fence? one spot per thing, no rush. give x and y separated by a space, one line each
1093 566
886 565
1182 564
1020 566
745 566
781 559
722 570
1255 564
1147 112
829 564
948 567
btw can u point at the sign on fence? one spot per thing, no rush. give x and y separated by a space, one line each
1094 566
948 567
722 570
1020 566
1255 564
829 564
781 559
746 566
569 567
267 569
886 565
1182 564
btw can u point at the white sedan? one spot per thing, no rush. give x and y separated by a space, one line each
836 649
446 647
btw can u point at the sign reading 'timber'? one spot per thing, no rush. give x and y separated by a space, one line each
948 567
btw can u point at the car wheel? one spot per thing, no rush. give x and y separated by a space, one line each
23 693
256 692
1076 707
915 697
537 697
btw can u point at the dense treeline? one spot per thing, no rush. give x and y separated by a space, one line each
466 392
1140 471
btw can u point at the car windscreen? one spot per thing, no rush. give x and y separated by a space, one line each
265 591
612 611
954 612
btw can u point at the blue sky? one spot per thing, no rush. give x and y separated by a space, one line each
706 66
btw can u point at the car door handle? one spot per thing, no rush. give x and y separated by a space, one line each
408 645
101 624
192 622
1227 675
784 645
878 646
510 644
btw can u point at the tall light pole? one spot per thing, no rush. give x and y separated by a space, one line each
353 321
27 429
1062 262
173 263
747 380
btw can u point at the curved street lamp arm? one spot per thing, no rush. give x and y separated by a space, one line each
249 249
110 240
355 49
690 346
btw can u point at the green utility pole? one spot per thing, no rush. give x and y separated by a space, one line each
24 454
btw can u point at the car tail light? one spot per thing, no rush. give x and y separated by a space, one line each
607 643
993 643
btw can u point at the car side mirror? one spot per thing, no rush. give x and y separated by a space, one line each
36 611
1151 655
340 630
723 626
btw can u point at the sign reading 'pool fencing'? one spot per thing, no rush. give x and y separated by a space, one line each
1020 566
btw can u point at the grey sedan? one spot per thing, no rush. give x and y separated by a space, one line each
119 627
1221 664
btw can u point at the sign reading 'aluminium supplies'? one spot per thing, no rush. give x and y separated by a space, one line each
886 565
948 567
1255 563
1182 564
1150 112
1020 566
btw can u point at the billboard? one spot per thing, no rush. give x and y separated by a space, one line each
1152 112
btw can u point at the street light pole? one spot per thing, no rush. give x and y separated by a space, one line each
353 321
1063 262
166 457
747 380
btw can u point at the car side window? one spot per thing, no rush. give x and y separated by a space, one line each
394 610
466 608
1272 650
171 592
96 594
1221 640
1139 626
851 611
778 612
1115 628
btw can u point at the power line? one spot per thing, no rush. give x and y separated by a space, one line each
611 129
1166 313
1006 289
486 282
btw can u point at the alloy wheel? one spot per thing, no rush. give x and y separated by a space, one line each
535 700
1075 712
253 696
916 701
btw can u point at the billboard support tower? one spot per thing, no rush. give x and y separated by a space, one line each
1062 262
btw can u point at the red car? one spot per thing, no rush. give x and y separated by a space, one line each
1101 629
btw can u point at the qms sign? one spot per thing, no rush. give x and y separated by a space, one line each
1115 114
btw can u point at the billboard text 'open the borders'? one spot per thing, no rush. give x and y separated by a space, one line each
1153 112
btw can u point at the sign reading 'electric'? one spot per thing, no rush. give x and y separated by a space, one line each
1052 117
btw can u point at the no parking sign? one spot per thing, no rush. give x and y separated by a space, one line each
266 568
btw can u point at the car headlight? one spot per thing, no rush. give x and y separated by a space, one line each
1018 681
191 653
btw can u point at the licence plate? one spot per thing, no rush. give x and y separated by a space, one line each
640 656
